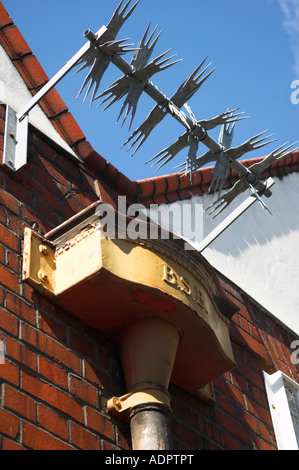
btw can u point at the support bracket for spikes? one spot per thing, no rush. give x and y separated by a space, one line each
229 220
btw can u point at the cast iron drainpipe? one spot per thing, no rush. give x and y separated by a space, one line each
148 349
150 427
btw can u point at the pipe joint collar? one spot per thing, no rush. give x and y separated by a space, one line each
142 394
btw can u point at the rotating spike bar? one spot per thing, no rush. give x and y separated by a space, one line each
136 78
102 49
191 139
134 84
157 114
135 81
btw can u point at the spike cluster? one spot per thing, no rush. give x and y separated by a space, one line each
253 171
99 65
136 80
98 57
191 139
157 114
134 85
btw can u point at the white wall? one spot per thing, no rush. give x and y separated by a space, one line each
14 93
259 252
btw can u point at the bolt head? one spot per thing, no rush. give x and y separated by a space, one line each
43 249
43 276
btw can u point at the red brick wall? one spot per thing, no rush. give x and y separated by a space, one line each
240 419
58 373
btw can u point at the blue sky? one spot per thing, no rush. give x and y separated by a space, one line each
254 45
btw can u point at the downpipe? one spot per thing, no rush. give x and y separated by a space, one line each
150 429
148 349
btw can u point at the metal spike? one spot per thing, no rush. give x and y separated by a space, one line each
227 117
166 60
220 173
226 134
208 75
164 163
155 66
274 156
265 143
164 153
134 85
241 185
248 146
282 154
117 47
180 166
141 57
151 37
208 157
264 138
135 90
223 202
136 140
100 64
130 11
118 20
222 165
186 90
256 194
173 149
125 7
238 119
193 75
155 117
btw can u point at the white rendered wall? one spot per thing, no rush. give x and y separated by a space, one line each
14 93
259 252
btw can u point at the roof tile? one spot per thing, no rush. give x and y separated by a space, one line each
31 71
68 128
148 188
16 46
105 171
5 19
53 105
152 190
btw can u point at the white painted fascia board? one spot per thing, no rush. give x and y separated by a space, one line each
280 411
